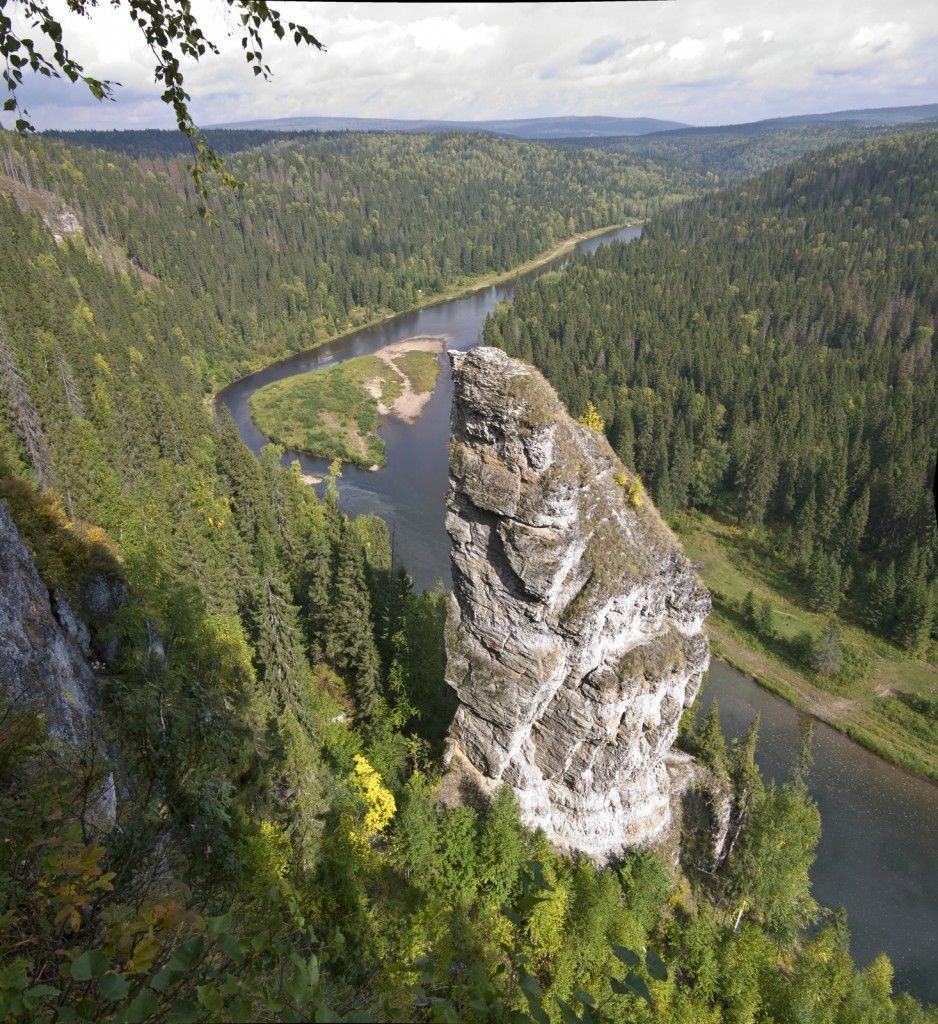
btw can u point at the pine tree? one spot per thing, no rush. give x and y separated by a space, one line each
914 617
681 467
756 480
804 536
824 582
881 610
854 527
501 848
277 638
349 641
748 787
317 601
827 651
709 742
766 623
622 436
749 608
868 614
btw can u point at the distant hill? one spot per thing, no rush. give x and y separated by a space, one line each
733 152
875 117
523 128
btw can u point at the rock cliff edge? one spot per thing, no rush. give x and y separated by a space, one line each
575 630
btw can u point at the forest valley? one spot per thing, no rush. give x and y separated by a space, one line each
270 686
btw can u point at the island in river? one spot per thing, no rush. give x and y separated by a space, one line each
335 413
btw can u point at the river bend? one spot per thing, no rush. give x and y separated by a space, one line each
877 855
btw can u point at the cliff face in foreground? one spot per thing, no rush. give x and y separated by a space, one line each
46 654
575 632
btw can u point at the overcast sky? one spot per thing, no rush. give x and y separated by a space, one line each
699 61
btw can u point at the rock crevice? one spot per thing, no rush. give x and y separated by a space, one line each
575 629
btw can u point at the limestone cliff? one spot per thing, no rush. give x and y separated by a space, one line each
575 630
46 654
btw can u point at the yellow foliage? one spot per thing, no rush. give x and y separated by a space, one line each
273 849
379 802
633 489
83 312
592 419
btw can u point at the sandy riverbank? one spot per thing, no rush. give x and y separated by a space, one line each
410 403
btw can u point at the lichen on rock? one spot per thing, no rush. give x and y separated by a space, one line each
575 629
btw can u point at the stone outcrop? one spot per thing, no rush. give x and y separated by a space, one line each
46 652
575 629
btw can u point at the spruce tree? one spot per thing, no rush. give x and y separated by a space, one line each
349 642
317 600
882 601
854 527
501 848
766 623
277 638
824 582
681 467
805 530
709 743
827 652
914 617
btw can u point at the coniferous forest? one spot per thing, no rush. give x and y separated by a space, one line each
271 686
766 354
330 230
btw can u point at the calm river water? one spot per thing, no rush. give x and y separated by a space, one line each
877 855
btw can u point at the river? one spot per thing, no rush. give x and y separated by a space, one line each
877 852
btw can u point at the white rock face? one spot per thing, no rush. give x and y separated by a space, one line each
45 650
575 630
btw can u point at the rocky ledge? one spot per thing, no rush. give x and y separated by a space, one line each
575 630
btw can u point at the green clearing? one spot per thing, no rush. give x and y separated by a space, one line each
420 368
333 413
330 413
882 698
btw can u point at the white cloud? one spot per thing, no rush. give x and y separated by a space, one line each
687 49
875 37
445 35
705 62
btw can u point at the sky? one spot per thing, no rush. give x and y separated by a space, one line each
696 61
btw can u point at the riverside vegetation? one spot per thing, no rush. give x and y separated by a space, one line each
334 413
764 360
277 853
330 231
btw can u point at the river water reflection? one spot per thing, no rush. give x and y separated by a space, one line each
880 826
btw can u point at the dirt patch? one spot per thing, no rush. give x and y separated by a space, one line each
375 388
409 404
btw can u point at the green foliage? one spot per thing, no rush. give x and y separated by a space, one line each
328 231
827 651
767 872
727 155
260 647
330 413
709 744
171 31
750 356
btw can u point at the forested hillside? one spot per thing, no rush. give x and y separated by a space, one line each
271 696
736 152
330 231
767 353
